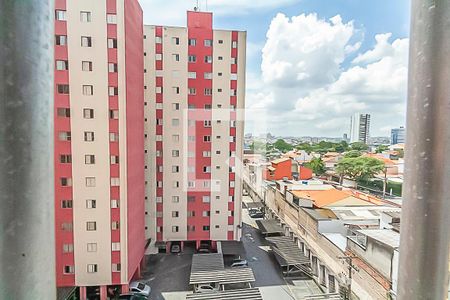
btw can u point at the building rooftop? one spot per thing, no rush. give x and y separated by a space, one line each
320 213
280 160
385 236
331 197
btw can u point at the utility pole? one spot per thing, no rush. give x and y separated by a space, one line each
351 267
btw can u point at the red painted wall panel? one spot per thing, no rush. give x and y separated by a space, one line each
134 56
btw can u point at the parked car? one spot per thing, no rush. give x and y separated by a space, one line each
175 248
203 250
206 288
239 263
140 288
256 213
133 296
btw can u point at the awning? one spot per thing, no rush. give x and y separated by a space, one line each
232 248
243 294
269 226
207 262
226 276
254 205
288 253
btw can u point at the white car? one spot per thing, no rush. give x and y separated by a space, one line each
140 288
206 288
237 263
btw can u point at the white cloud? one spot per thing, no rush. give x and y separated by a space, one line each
173 12
307 89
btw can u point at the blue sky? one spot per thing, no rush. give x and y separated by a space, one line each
293 113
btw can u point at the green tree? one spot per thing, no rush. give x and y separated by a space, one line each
305 146
381 148
359 168
283 146
353 154
359 146
317 165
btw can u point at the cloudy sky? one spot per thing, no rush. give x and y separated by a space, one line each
311 64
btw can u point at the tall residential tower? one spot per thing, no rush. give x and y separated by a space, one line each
99 142
360 128
194 96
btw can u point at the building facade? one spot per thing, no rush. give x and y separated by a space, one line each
194 93
360 128
99 142
398 135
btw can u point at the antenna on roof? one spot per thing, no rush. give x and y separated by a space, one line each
196 8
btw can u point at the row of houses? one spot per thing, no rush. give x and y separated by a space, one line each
338 229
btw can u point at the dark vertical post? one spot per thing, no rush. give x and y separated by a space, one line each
424 245
27 260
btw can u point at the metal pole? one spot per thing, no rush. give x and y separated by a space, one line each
424 244
27 259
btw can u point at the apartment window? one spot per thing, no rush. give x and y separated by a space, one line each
88 113
232 92
91 247
175 214
176 40
88 136
113 91
233 123
232 184
66 204
233 76
91 226
175 122
115 246
176 89
65 158
206 169
191 184
234 44
208 106
111 19
88 90
220 58
66 181
192 42
85 16
208 43
206 199
86 66
208 75
92 268
115 225
67 226
158 40
115 181
191 213
208 59
159 105
90 181
192 58
217 197
89 159
90 203
112 43
206 153
208 92
233 60
176 106
175 228
191 169
61 40
190 228
114 114
158 200
69 269
62 65
175 169
86 41
114 203
63 112
159 90
192 75
205 228
207 138
176 57
191 198
64 135
159 138
176 184
331 284
60 15
207 123
175 199
112 67
158 56
63 88
175 153
207 183
217 167
175 138
67 248
113 137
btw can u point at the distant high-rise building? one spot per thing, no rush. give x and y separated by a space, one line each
345 137
398 135
359 128
99 177
195 89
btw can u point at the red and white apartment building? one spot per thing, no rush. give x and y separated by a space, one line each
194 100
99 143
